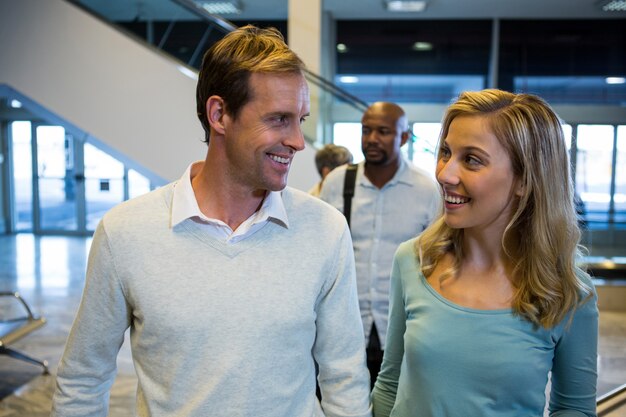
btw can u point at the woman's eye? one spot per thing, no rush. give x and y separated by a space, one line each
472 160
444 153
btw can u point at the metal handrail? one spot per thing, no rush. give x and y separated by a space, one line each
313 77
608 403
611 394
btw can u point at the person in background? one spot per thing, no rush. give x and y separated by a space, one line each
222 321
327 158
393 201
488 300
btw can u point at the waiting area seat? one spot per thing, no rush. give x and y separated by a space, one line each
14 328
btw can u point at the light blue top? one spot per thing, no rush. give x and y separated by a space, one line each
382 219
446 360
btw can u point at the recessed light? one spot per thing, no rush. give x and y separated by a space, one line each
613 5
348 79
220 7
422 46
406 5
341 47
615 80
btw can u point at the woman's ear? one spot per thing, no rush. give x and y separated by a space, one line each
520 188
215 113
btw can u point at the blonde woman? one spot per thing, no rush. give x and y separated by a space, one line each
488 301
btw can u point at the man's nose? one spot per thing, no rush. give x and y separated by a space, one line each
295 140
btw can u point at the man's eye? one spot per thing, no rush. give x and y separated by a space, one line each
280 119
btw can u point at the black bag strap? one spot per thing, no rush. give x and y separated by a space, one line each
348 190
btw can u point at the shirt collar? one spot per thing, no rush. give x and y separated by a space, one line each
185 205
402 175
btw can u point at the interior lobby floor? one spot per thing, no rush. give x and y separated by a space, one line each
48 272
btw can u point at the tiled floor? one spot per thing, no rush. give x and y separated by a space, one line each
49 272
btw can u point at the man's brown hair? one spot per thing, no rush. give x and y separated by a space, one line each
227 65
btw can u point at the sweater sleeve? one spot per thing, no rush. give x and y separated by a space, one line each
88 366
386 387
574 369
339 349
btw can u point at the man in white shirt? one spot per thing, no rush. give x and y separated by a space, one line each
393 201
224 321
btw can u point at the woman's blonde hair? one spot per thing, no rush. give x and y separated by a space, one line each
542 236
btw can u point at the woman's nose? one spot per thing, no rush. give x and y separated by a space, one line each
447 172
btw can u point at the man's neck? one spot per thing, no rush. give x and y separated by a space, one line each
219 199
379 175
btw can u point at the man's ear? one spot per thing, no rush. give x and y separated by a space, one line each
215 113
405 137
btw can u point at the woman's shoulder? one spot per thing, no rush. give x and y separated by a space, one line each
587 291
406 249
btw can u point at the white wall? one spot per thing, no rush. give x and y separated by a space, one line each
126 95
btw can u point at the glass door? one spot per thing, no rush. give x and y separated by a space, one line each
60 185
56 187
21 141
46 189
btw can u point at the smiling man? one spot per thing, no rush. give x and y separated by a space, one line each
224 321
393 201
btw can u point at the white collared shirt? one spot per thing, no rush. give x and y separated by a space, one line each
185 206
381 219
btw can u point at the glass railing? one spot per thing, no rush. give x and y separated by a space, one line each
184 30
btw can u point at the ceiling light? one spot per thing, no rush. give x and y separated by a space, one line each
615 80
221 7
422 46
348 79
405 5
613 5
341 47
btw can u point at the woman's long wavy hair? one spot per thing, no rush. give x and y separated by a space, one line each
542 237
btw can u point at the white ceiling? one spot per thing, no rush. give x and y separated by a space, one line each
371 9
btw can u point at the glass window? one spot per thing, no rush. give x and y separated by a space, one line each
349 135
567 133
620 176
137 184
418 61
593 169
565 60
425 146
104 183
